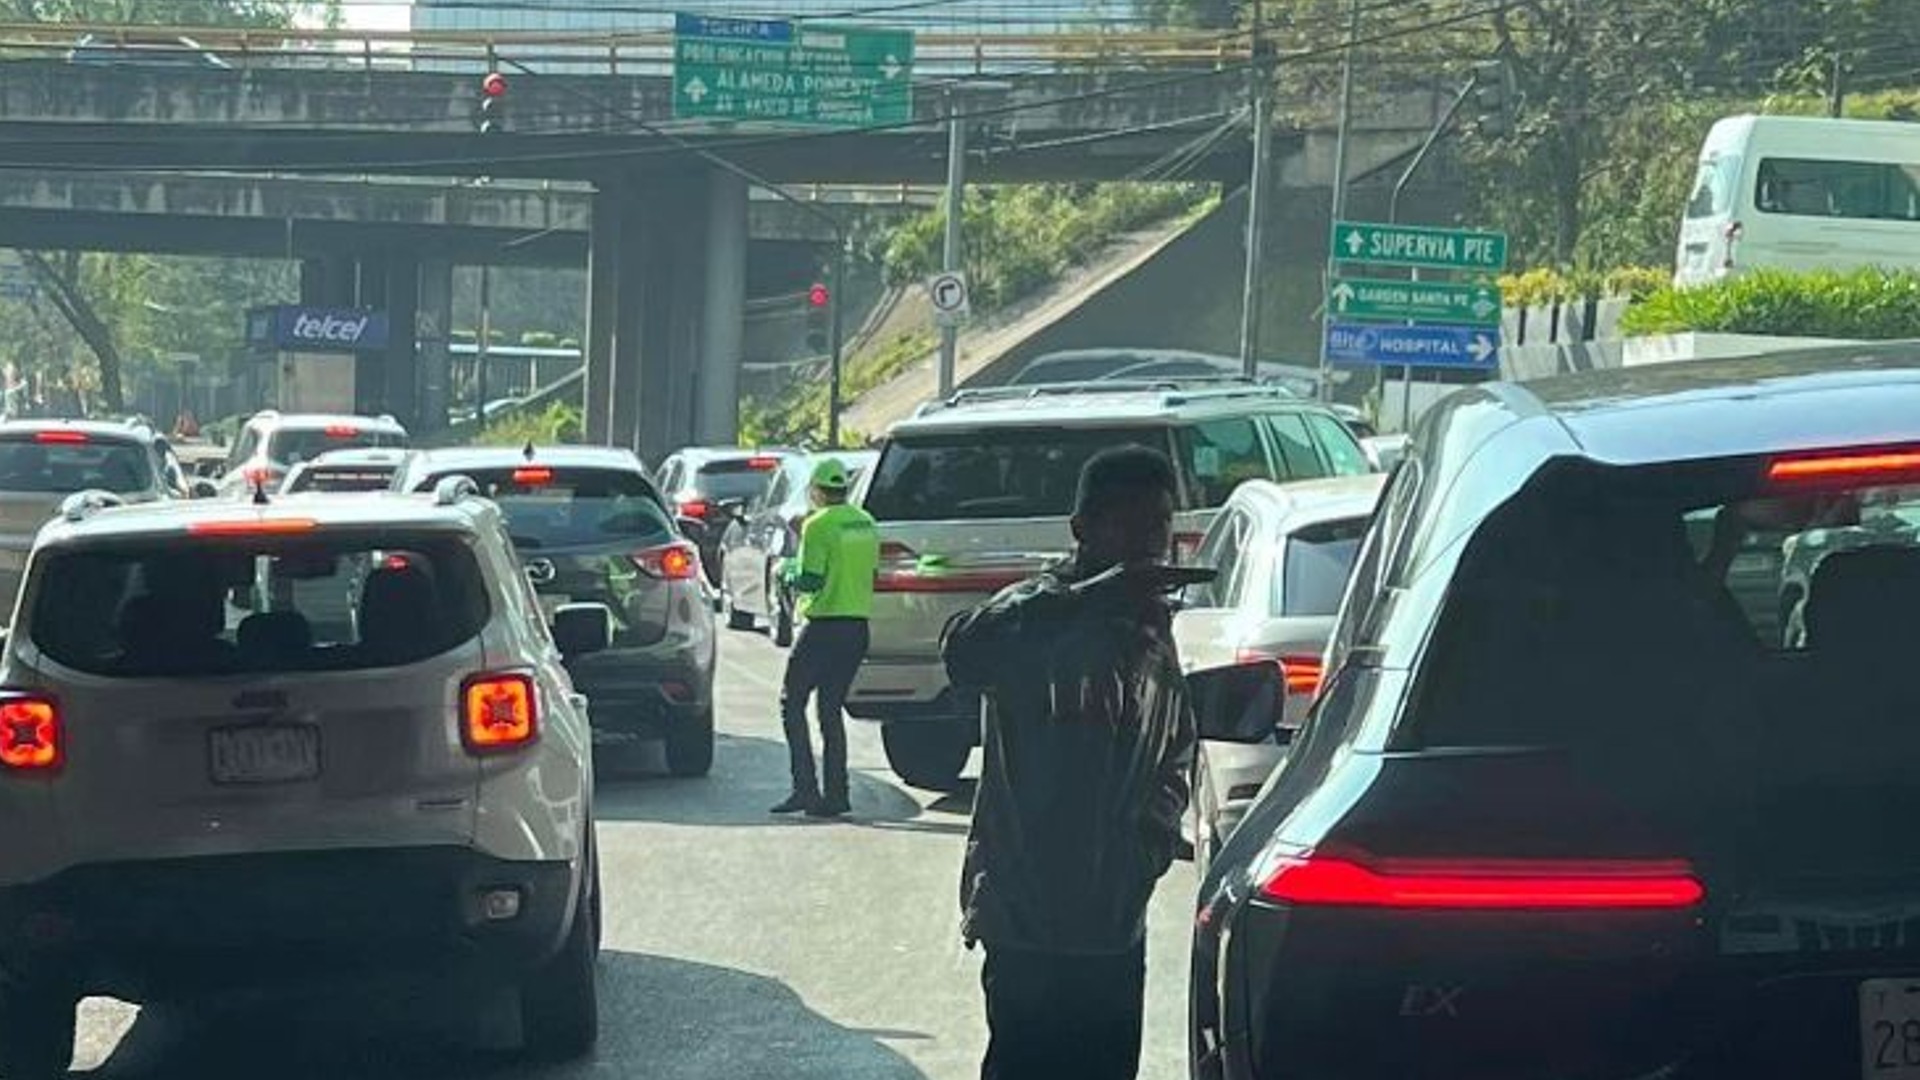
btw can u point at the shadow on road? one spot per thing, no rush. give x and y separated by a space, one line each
749 775
660 1018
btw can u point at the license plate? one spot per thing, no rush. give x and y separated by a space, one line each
1890 1029
264 754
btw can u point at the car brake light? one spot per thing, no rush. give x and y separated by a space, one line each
61 437
259 527
30 736
1316 880
341 431
1302 672
1186 545
1845 466
695 508
762 463
532 477
498 713
669 562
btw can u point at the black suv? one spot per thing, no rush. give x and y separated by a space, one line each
1570 803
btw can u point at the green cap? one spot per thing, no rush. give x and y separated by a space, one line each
831 475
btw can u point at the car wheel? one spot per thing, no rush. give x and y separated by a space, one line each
928 754
690 746
560 1003
782 616
37 1043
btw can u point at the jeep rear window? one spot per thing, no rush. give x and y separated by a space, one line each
291 446
29 464
1004 472
1604 600
191 607
557 508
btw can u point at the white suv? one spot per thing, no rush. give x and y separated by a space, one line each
217 774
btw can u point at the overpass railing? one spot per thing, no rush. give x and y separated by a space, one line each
649 52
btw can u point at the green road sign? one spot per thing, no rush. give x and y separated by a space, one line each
1411 245
783 72
1365 299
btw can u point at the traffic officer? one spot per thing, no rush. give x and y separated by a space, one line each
833 575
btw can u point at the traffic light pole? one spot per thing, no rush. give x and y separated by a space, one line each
1393 217
833 341
951 255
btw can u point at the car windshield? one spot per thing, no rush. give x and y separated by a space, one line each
991 473
60 462
573 507
291 446
1317 560
196 607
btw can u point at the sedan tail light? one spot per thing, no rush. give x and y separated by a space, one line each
1302 671
1312 879
31 739
678 561
498 712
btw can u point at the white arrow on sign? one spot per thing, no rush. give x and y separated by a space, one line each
1481 347
1355 242
891 68
696 90
1342 295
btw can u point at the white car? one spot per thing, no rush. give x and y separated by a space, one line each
208 789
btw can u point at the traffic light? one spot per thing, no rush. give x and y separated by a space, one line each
819 302
491 115
1493 100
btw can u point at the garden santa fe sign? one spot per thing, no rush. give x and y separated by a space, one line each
1415 301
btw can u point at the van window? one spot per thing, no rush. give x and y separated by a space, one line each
1220 455
1862 190
1008 472
190 608
1714 187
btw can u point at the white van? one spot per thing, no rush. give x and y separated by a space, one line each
1802 193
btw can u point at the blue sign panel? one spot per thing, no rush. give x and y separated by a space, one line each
709 26
295 328
1413 346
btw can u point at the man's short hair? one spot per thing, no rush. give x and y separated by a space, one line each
1116 475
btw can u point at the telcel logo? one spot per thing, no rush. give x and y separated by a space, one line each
330 328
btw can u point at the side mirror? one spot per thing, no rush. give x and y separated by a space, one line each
202 488
581 629
1238 704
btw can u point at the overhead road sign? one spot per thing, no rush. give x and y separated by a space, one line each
792 73
948 292
1413 245
1415 301
1466 347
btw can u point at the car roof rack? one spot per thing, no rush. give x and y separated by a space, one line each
1180 389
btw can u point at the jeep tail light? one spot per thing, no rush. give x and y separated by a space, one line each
498 712
1885 465
678 561
1312 879
59 436
30 735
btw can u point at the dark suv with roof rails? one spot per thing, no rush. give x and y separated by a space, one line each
589 527
1570 804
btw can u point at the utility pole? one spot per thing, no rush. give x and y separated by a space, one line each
1837 89
1339 208
951 258
834 308
1259 93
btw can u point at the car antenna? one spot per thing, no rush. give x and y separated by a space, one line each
527 451
260 490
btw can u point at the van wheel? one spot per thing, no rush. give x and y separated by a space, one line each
690 746
560 1003
37 1040
927 754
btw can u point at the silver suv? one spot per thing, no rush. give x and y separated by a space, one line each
974 493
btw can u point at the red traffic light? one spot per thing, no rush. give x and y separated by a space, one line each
817 296
494 85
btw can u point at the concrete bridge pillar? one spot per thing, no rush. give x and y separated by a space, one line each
399 365
434 334
667 302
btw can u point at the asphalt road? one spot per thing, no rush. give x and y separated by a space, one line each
738 946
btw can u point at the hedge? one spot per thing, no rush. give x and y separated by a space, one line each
1536 288
1869 304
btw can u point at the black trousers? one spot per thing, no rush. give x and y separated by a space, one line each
824 659
1053 1016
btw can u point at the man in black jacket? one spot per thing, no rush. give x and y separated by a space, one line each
1089 742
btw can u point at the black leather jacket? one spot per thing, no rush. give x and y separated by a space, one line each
1089 749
